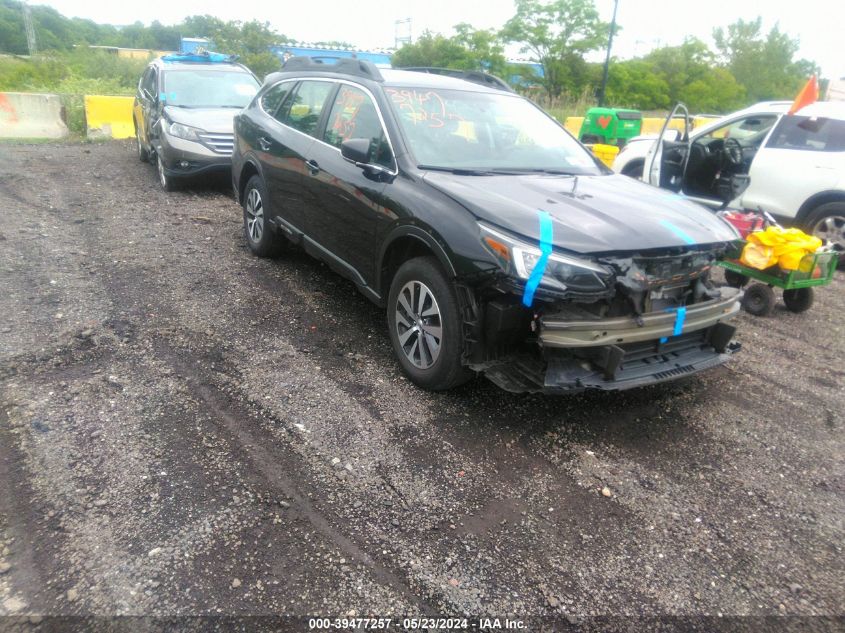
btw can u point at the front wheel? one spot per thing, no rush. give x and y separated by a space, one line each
425 325
167 183
759 300
143 152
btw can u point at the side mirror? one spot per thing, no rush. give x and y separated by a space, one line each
356 150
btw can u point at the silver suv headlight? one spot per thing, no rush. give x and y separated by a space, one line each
180 130
562 272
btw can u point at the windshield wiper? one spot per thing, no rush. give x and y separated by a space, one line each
202 107
536 170
458 171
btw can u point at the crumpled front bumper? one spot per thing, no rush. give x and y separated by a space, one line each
614 354
557 332
622 353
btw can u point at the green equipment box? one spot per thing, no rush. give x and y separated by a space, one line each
611 126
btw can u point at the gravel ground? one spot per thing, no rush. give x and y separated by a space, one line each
186 429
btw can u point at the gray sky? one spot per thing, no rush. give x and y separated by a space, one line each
371 23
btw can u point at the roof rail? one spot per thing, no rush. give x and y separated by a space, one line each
474 76
349 66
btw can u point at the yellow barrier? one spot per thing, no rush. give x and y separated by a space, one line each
109 116
653 125
25 115
605 153
573 124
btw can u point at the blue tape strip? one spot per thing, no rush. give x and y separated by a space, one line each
680 317
677 231
546 238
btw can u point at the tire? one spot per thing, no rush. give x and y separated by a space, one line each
798 299
168 183
262 240
735 279
430 363
759 300
143 151
634 169
827 221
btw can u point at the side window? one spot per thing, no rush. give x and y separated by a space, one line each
750 130
809 134
354 115
148 83
275 96
302 112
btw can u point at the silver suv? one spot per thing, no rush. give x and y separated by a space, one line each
183 113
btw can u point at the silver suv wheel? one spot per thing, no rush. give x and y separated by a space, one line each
419 326
254 216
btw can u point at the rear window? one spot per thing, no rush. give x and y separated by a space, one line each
815 134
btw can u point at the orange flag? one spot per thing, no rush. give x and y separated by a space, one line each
809 94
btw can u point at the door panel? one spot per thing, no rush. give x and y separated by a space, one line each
282 154
709 174
666 159
145 104
802 156
282 142
345 200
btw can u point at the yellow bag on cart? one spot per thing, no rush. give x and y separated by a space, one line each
775 245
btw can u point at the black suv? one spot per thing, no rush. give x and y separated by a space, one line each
496 242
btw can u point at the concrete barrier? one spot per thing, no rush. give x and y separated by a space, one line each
109 117
28 115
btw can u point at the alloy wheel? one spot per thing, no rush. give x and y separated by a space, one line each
832 229
419 325
162 177
254 216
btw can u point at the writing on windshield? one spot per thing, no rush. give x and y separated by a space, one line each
467 130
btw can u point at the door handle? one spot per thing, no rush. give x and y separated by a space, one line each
263 143
312 166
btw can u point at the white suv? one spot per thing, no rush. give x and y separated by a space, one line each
758 158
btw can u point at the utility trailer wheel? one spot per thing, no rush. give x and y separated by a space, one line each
798 299
759 300
735 279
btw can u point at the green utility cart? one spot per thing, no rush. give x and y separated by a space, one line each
816 269
610 126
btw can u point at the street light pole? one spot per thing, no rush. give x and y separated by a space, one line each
607 59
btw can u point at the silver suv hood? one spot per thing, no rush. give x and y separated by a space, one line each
215 120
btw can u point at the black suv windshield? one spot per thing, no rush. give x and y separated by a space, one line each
488 132
197 88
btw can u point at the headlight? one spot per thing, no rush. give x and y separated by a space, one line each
563 272
180 130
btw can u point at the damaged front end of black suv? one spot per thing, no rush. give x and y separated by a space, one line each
608 322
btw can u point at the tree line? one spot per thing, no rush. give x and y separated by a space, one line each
746 64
